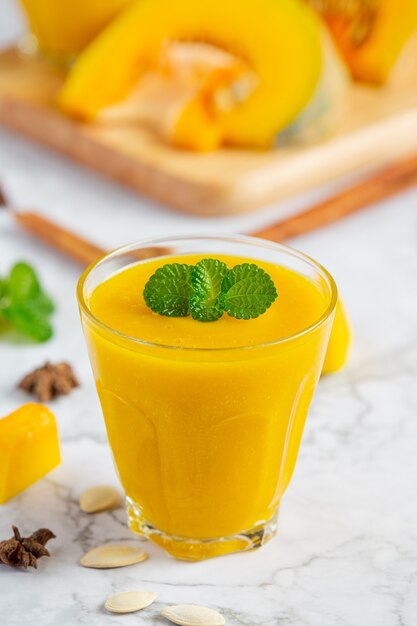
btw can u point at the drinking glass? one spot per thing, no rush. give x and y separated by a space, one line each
205 440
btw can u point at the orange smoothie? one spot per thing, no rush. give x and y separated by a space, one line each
205 419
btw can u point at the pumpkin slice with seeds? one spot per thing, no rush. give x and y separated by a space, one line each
274 66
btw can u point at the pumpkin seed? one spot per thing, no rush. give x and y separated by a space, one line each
100 498
113 555
193 615
130 601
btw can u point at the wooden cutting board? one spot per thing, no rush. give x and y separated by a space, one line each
379 125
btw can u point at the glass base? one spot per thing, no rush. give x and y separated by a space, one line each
190 549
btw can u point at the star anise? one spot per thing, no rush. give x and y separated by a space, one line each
25 551
49 381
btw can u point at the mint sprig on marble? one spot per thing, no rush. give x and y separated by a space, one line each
24 305
208 289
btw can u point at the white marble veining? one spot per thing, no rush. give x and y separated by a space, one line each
346 553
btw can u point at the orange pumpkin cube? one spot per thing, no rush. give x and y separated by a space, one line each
29 448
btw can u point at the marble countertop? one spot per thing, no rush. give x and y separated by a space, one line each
346 551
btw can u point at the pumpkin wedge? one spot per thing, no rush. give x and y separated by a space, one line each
279 40
370 34
187 95
339 342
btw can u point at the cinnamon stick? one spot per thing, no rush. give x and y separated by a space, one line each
70 244
59 238
377 187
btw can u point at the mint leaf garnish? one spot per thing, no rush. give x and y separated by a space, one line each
24 286
4 296
247 291
206 279
24 303
168 291
29 320
44 304
204 312
208 289
23 282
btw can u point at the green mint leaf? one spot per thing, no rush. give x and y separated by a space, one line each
4 296
206 279
202 311
247 291
3 288
24 304
29 320
23 282
168 291
208 289
44 303
24 285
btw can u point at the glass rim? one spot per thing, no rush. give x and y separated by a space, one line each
243 239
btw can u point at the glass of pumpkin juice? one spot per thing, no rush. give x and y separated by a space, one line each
205 418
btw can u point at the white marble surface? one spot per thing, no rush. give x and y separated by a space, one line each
346 553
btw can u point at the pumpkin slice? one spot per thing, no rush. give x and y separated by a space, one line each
329 104
370 34
186 97
339 342
278 40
